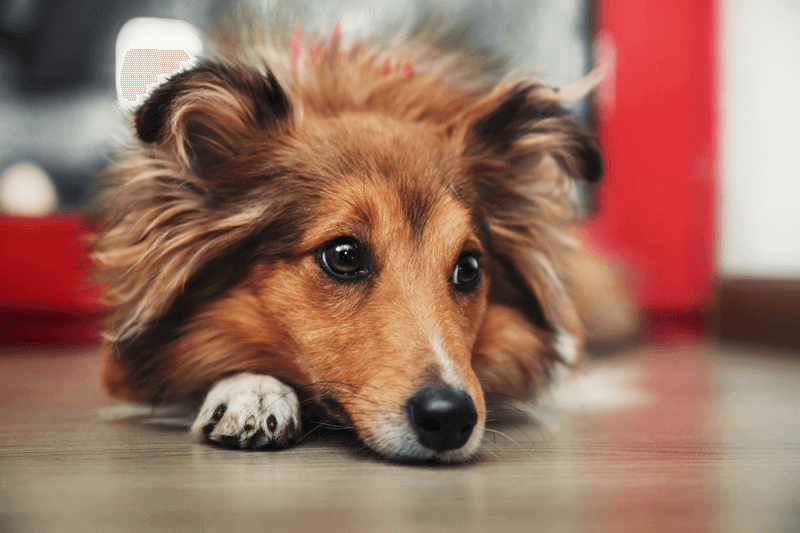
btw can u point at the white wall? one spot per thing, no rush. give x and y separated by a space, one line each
760 134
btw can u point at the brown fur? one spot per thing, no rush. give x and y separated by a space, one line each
247 164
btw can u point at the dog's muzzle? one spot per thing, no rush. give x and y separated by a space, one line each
443 418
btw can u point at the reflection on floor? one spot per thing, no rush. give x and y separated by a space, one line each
662 438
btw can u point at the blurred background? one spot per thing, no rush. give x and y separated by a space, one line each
697 121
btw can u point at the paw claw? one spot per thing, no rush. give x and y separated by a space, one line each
229 441
252 411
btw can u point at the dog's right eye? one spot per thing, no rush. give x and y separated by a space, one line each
344 258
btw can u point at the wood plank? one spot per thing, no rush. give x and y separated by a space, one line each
686 438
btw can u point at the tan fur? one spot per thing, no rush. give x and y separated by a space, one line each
357 152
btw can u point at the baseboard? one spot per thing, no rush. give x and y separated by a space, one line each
759 311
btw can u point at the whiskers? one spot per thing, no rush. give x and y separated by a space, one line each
521 426
329 408
335 411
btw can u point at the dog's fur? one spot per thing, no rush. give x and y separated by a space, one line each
216 219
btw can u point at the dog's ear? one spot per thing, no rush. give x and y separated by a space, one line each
204 133
209 114
521 147
523 121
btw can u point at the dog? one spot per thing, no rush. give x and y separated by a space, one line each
380 231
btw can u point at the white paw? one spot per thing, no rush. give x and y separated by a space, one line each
250 411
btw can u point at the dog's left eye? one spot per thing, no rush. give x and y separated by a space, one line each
344 258
467 273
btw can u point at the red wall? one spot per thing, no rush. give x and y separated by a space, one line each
657 127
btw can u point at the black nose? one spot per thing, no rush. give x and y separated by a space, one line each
443 418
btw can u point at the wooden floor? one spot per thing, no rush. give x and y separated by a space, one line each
680 438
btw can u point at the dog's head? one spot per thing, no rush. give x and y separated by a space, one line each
389 244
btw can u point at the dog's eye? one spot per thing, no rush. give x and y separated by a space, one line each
344 258
467 273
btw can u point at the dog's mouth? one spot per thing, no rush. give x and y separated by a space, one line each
437 424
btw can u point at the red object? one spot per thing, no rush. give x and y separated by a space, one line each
657 127
46 294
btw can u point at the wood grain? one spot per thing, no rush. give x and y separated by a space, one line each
686 438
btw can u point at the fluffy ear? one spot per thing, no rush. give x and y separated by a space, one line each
161 207
209 114
520 146
521 121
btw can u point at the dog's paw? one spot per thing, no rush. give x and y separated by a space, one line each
250 411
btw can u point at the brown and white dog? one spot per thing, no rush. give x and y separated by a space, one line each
382 231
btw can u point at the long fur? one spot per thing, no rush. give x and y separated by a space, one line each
210 207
